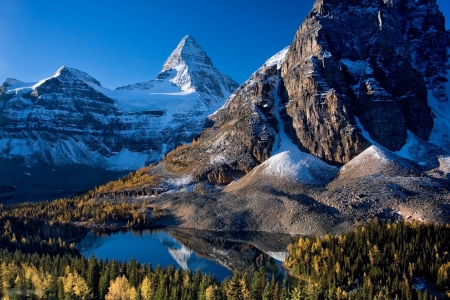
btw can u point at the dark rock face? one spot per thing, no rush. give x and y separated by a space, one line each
353 59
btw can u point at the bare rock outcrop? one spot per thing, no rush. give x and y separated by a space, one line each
363 59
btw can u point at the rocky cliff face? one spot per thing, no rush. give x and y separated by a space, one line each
357 73
70 118
364 59
58 119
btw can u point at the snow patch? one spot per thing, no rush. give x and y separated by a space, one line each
365 133
440 134
126 160
418 150
277 59
444 164
378 161
13 84
299 166
217 159
280 256
182 181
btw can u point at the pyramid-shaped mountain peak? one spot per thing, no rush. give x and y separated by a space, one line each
187 52
190 69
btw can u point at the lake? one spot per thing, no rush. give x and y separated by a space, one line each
210 252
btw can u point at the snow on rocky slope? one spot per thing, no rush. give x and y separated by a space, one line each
70 118
377 161
286 162
187 71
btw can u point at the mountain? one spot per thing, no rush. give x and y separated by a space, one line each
70 119
337 91
349 122
190 68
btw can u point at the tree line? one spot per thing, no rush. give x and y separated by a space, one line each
72 277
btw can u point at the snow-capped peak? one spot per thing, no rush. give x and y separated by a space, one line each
71 72
16 86
66 73
190 69
187 51
187 59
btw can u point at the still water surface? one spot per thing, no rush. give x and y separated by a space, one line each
213 253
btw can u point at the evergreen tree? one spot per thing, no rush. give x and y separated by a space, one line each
93 276
258 285
233 288
268 292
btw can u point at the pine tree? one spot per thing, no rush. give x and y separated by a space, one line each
268 292
93 276
233 289
103 284
284 295
258 285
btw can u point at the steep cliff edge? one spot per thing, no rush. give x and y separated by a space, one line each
367 59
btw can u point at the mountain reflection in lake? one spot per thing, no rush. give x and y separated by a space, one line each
210 252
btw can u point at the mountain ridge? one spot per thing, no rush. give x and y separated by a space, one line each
70 119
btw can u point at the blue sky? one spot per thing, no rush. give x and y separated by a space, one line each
121 42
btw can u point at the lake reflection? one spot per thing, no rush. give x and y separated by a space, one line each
214 253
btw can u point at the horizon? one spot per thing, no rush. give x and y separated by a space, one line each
117 44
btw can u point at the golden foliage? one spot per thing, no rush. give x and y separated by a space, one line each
179 159
75 285
147 291
212 292
120 289
135 179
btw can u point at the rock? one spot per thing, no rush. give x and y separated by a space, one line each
353 59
